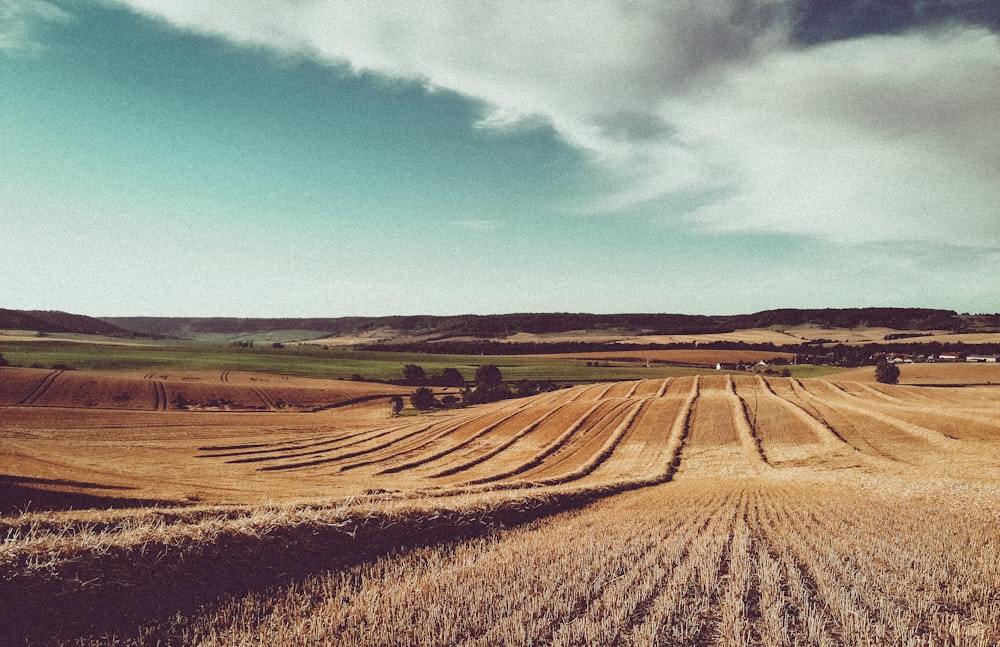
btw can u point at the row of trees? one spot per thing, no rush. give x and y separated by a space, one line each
488 386
415 375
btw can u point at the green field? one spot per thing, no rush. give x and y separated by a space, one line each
332 363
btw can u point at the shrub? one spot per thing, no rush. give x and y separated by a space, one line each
181 401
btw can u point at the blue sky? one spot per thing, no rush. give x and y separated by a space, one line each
319 158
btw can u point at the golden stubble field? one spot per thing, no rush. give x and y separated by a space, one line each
710 510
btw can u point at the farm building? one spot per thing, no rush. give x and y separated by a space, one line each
991 359
950 357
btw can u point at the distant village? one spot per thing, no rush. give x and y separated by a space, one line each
909 358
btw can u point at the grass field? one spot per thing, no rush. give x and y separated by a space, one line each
306 360
707 509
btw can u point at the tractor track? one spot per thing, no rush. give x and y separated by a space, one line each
40 390
268 402
159 396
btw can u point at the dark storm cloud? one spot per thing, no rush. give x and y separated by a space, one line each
821 21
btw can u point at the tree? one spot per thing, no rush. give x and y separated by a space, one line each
452 377
886 373
3 360
423 399
414 374
395 405
488 377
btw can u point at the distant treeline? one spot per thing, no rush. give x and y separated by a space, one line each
808 353
58 322
502 326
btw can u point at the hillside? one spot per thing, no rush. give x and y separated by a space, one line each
433 328
58 322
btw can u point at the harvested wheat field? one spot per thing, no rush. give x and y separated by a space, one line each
699 510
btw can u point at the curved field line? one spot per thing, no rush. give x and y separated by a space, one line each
655 451
40 390
449 450
932 436
553 447
471 439
927 406
604 453
749 440
344 456
864 388
604 392
224 377
635 387
866 450
579 391
482 458
449 427
824 433
550 398
663 387
337 443
677 437
227 448
680 430
580 449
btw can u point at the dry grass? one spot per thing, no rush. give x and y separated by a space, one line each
698 510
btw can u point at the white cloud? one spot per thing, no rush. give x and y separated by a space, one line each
874 139
19 20
884 138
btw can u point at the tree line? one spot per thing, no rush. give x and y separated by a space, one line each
487 386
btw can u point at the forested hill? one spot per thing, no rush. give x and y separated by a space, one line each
500 326
497 326
58 322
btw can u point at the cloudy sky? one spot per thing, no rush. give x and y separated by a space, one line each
322 158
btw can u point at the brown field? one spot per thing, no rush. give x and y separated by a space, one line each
956 374
703 357
789 335
699 510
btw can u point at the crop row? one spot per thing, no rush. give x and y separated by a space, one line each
734 563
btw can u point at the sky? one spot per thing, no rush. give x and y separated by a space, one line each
315 158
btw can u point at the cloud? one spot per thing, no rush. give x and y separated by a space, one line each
869 139
881 138
19 22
